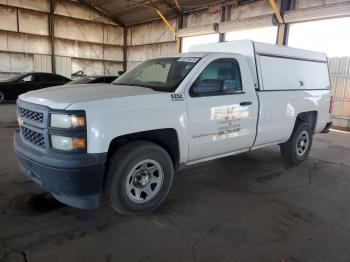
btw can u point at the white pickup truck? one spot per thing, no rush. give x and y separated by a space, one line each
126 139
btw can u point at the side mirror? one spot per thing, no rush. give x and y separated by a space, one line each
207 87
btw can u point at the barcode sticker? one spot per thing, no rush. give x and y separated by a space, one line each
188 59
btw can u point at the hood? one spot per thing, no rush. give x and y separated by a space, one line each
60 97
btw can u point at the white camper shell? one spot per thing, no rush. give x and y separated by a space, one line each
277 67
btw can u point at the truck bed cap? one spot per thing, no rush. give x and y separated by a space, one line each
249 48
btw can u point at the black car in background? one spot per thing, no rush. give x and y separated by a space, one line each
93 80
12 87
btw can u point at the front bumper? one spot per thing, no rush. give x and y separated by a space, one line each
73 179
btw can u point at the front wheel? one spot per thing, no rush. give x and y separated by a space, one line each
297 148
139 177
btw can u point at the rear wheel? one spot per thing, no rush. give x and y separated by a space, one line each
297 148
139 178
2 97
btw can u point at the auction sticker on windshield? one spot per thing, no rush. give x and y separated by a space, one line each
188 59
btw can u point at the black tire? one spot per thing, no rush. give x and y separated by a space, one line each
289 149
2 97
121 165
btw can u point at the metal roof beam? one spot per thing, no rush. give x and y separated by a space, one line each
134 7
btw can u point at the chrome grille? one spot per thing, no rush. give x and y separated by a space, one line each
30 115
33 137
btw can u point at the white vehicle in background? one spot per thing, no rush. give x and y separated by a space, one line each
126 139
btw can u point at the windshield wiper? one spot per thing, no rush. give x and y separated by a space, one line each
139 85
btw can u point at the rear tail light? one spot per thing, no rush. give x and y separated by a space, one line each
331 105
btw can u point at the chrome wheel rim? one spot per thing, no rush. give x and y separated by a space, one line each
144 181
302 143
2 97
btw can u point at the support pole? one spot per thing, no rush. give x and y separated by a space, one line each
180 24
17 16
280 34
225 16
52 35
125 50
283 28
283 32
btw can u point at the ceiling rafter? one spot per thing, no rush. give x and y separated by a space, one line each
138 6
132 12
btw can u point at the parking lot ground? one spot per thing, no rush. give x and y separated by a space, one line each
249 207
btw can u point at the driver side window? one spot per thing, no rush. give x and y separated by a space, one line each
30 78
27 79
220 77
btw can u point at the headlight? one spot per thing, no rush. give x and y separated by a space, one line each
68 143
67 121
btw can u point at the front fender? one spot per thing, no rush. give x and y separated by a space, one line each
108 119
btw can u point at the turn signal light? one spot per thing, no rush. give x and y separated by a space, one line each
78 143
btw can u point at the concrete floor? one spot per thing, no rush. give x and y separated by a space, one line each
251 207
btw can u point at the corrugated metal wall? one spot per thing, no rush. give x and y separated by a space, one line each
42 63
16 62
155 39
149 41
339 68
84 40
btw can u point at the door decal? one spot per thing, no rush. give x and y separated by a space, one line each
228 121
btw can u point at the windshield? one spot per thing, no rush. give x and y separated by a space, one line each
161 74
81 80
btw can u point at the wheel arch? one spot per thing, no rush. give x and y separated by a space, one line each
307 117
167 138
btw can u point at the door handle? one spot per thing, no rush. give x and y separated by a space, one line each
247 103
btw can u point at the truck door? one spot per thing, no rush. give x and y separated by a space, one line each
222 108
